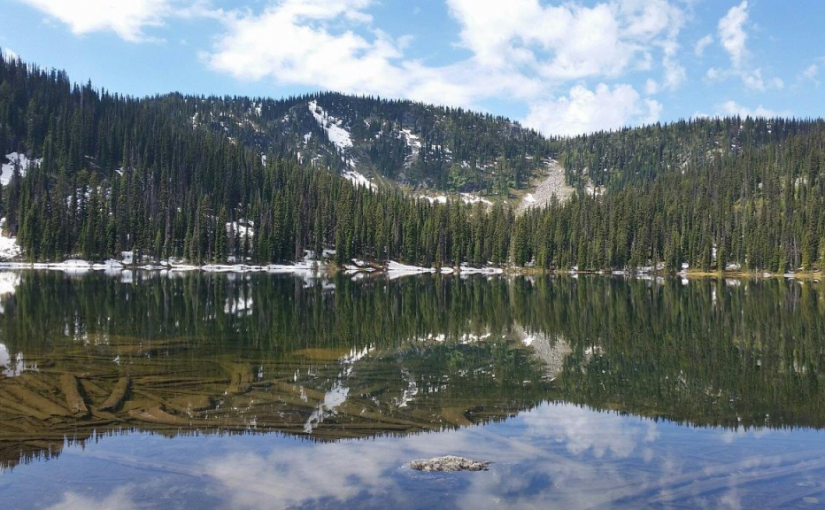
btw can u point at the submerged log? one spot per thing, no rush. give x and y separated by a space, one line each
240 378
158 415
10 404
455 416
74 399
30 398
192 403
36 383
117 395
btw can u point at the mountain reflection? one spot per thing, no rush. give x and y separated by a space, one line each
336 359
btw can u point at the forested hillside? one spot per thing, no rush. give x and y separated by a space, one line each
403 142
635 156
90 173
713 193
115 173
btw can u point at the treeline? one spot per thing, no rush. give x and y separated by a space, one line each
632 156
124 174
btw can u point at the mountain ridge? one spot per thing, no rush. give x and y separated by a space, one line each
414 144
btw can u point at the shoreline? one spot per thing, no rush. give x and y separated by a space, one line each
391 269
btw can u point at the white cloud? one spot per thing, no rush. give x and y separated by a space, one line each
292 42
702 44
811 74
675 74
119 499
733 38
582 430
520 49
651 87
8 54
584 110
331 45
127 19
732 33
558 443
754 81
731 108
569 41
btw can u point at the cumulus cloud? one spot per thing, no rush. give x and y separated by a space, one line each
730 108
568 41
584 111
675 74
732 33
522 49
754 80
332 45
733 37
811 73
702 44
291 41
8 54
127 19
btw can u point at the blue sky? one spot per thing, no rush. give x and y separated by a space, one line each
560 67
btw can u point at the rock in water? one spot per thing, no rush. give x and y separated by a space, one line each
448 463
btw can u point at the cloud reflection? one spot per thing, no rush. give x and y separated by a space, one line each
548 463
555 456
119 499
582 430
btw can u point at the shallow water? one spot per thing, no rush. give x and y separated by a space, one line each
259 391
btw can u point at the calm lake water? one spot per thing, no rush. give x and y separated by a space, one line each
259 391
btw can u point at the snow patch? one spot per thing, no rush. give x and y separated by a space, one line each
336 134
243 228
469 198
8 245
358 179
594 191
413 142
441 199
298 267
21 161
486 270
397 270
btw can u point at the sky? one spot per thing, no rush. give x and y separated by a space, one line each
562 68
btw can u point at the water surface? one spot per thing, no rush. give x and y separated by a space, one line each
261 391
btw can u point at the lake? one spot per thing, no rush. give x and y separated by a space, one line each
197 390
